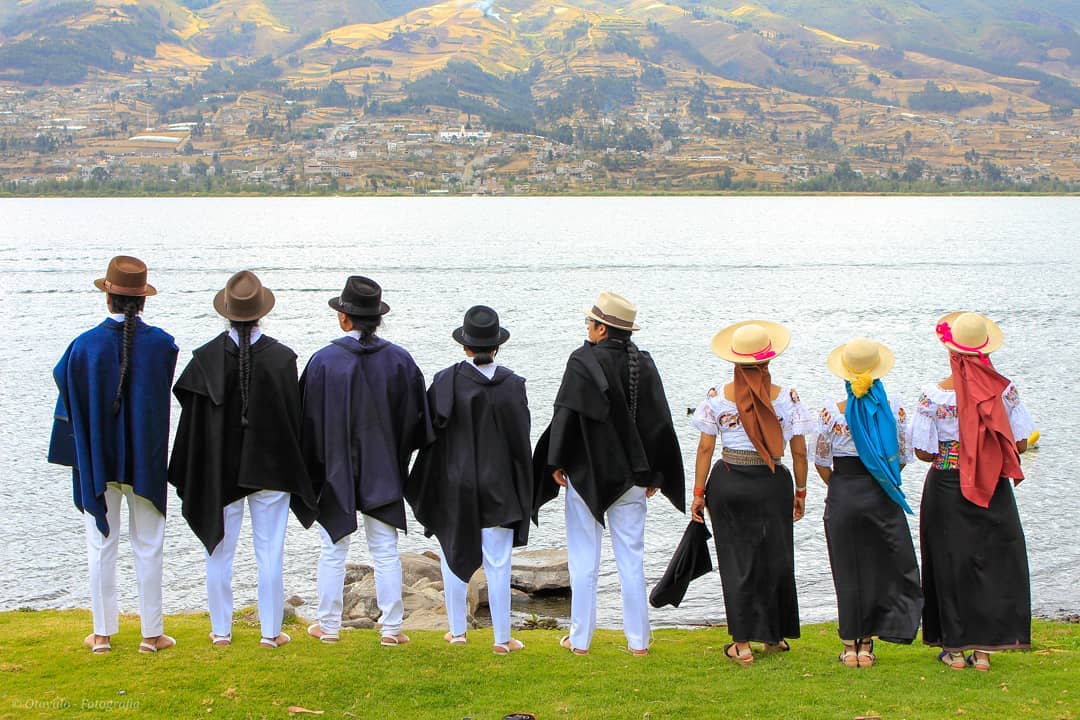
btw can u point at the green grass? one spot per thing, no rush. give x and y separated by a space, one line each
46 672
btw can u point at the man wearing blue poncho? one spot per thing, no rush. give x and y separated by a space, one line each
112 429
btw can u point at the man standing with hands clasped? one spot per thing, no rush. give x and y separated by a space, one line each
611 444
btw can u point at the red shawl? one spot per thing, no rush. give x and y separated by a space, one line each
987 447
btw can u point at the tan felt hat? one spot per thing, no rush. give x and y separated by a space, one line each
614 310
244 298
969 333
751 341
126 276
859 356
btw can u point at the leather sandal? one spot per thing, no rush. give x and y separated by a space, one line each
454 639
151 646
220 640
394 640
565 642
850 656
955 661
276 642
982 664
98 648
745 658
316 631
781 646
511 645
866 656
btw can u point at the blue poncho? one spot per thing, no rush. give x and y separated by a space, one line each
130 447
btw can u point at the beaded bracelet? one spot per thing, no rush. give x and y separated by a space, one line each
699 492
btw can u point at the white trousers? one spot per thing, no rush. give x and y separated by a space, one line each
497 544
146 530
626 523
269 520
382 544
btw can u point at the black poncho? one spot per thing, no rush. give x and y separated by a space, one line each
595 439
215 460
478 472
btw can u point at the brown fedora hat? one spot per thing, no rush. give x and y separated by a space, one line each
126 276
244 298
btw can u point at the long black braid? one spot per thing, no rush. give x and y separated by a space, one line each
622 337
130 306
243 330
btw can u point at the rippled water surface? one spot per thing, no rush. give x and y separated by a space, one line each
829 268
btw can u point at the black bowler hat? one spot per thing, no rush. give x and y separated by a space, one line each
362 297
481 328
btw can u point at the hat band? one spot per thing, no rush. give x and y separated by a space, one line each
611 319
763 354
112 287
945 333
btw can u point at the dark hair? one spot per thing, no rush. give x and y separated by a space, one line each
484 355
622 337
366 325
131 307
243 330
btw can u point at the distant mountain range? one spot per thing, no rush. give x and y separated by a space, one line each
879 51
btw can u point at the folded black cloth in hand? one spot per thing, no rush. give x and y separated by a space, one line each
690 561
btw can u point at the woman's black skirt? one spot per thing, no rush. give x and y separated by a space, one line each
872 557
750 508
975 569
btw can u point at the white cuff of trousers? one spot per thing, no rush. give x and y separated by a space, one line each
456 592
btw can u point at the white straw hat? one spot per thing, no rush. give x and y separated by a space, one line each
751 341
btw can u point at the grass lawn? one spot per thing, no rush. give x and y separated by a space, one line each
46 672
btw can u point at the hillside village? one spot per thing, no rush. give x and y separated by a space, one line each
334 118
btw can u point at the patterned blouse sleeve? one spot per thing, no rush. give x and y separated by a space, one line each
1019 418
704 418
903 434
924 435
799 419
824 446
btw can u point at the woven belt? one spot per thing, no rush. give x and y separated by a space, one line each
743 457
948 455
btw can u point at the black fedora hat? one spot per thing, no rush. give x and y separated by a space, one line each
481 328
362 297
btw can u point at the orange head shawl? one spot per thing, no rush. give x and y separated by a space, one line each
753 398
987 447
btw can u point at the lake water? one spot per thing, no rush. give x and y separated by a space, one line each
829 268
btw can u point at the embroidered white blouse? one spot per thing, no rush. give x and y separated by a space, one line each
834 435
936 419
717 415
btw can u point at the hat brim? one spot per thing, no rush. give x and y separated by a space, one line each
147 290
886 360
779 337
266 304
593 316
336 304
470 341
995 338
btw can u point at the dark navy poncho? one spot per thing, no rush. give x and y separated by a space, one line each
130 447
365 411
